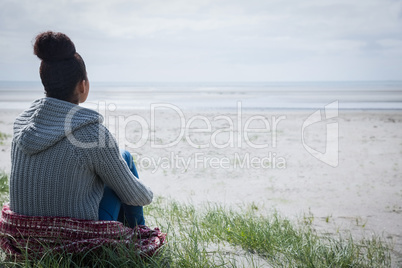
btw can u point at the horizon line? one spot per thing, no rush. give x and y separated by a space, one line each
218 82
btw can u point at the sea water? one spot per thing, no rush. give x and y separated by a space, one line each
206 96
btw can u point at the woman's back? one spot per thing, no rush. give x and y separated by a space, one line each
48 177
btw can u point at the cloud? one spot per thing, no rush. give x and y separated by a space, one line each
204 38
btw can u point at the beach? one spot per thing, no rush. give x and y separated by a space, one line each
240 157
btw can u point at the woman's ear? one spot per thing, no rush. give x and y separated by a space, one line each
83 90
82 86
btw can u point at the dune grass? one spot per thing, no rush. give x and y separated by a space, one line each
216 236
3 137
4 189
213 235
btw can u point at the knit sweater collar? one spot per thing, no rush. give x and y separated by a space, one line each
47 121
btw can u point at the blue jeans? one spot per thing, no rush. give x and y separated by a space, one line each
112 209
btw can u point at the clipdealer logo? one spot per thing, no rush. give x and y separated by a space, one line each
238 132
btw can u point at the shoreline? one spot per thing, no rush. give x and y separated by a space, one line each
222 109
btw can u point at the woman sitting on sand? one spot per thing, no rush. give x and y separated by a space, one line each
65 163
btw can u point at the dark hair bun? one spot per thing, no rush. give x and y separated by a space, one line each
53 46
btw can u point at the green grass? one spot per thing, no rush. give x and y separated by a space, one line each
4 189
216 236
3 137
240 237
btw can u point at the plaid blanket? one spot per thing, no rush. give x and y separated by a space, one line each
35 235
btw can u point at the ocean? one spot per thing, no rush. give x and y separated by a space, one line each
360 95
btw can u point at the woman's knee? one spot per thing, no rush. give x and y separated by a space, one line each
127 157
130 161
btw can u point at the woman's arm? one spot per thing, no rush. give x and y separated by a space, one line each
105 160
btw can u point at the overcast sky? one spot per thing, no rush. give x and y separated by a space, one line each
217 40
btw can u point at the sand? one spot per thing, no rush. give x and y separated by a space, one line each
361 193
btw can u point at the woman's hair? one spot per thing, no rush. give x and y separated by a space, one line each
62 68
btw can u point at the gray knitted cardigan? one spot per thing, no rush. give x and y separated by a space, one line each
62 156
